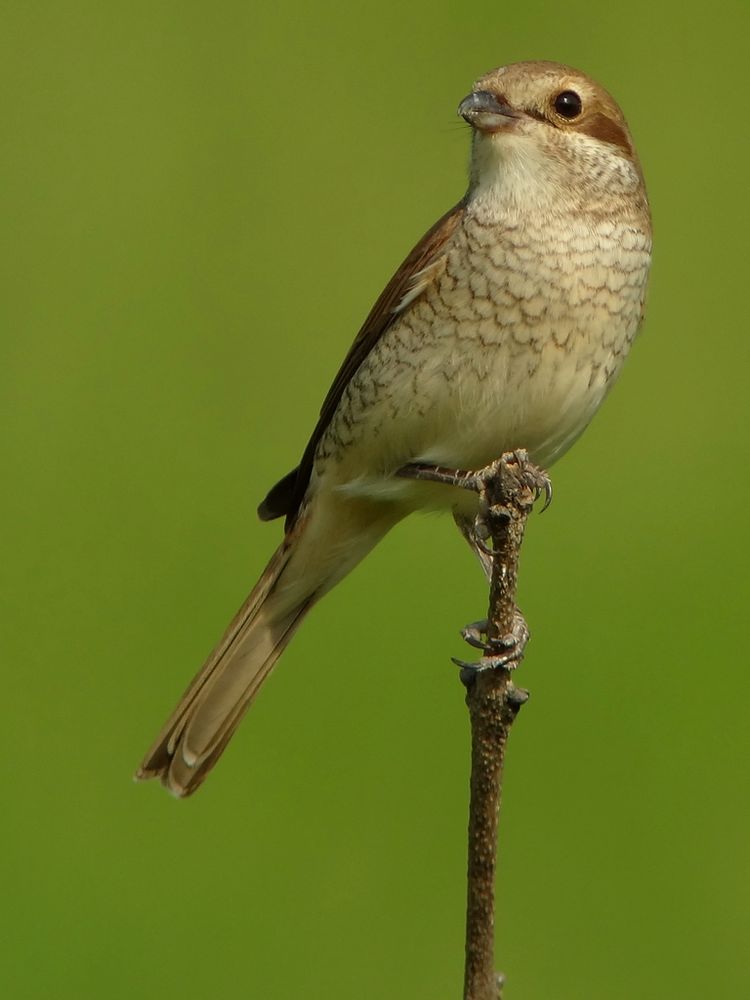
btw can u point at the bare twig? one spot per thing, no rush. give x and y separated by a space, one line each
507 490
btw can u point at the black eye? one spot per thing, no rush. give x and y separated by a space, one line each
568 104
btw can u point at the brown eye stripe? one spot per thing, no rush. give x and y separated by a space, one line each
600 126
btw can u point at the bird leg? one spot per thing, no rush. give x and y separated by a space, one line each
473 530
506 650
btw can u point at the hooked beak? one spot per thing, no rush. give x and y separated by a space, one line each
486 111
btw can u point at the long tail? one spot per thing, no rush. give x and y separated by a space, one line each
307 563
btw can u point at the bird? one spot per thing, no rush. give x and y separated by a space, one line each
504 328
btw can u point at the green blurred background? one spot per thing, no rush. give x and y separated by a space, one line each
200 203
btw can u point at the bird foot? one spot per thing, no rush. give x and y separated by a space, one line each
504 651
479 533
534 478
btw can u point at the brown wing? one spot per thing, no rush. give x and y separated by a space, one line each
407 284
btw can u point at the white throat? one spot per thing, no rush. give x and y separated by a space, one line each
516 176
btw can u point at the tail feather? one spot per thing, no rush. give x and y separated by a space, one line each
326 541
213 705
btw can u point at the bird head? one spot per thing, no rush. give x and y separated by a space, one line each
548 134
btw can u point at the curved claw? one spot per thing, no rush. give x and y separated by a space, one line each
546 488
473 632
536 478
467 671
508 659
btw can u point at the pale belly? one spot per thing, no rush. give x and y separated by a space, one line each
540 402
